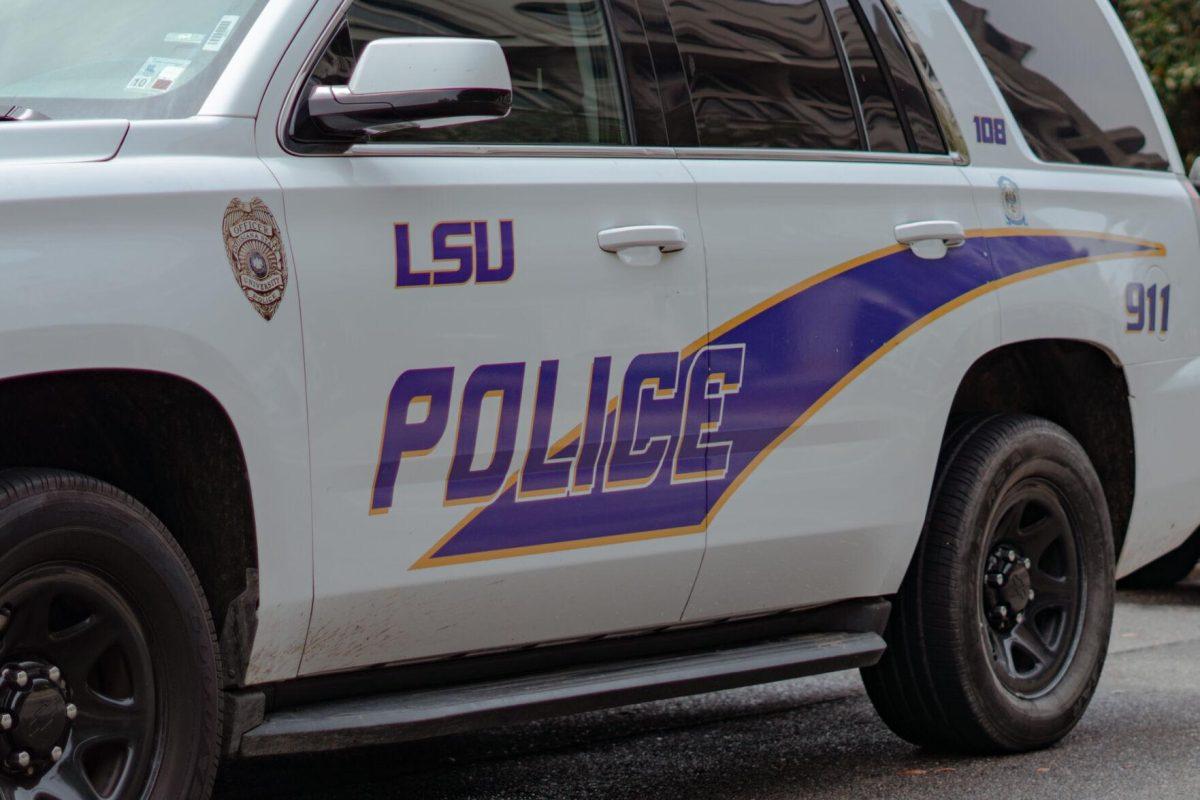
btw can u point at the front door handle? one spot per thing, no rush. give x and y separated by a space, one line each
932 239
642 245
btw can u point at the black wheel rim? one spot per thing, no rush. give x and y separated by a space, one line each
77 686
1032 588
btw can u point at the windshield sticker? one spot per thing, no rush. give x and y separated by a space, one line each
184 38
217 40
158 75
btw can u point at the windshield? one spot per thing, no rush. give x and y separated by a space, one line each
128 59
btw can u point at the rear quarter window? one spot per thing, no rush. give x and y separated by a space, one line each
1066 80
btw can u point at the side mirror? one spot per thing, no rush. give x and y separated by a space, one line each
412 83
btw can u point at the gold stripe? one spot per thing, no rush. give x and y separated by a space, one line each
426 561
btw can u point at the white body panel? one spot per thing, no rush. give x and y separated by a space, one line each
66 142
1088 303
142 283
119 263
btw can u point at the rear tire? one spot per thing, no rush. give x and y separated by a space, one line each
1168 570
974 662
111 657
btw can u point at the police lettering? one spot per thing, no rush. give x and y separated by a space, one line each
664 425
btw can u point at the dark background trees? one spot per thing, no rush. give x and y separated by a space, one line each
1167 35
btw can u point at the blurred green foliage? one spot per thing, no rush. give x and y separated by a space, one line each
1167 34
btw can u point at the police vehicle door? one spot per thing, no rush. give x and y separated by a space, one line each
484 307
841 263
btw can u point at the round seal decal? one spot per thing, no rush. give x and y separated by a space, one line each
1010 196
255 251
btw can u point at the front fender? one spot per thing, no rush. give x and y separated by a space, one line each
122 265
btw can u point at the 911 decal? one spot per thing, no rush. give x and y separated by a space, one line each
469 245
660 450
1148 307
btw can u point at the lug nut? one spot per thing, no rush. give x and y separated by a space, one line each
1032 594
1028 563
995 579
54 674
6 722
1020 617
21 678
1002 612
72 711
1012 555
56 754
22 759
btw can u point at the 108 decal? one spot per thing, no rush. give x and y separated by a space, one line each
1148 307
991 130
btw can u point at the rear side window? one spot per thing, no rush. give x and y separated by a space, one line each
764 73
1066 81
566 88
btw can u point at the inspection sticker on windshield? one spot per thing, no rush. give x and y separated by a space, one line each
185 38
216 39
158 75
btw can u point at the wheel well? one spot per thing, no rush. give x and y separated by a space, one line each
1075 385
166 442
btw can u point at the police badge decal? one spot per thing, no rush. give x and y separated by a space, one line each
255 250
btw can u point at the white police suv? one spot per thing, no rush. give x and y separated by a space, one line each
376 369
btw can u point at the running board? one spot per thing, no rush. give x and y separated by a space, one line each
398 717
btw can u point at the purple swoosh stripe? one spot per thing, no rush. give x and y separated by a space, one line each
796 351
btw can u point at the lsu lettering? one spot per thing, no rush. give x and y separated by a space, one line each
462 252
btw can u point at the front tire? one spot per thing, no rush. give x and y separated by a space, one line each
108 658
999 634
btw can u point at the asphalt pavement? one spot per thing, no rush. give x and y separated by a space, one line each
808 738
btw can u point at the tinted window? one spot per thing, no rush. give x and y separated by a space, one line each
565 83
1066 81
764 73
885 132
926 136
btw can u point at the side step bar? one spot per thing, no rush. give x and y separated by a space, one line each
398 717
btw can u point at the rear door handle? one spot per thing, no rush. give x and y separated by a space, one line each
642 245
931 239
